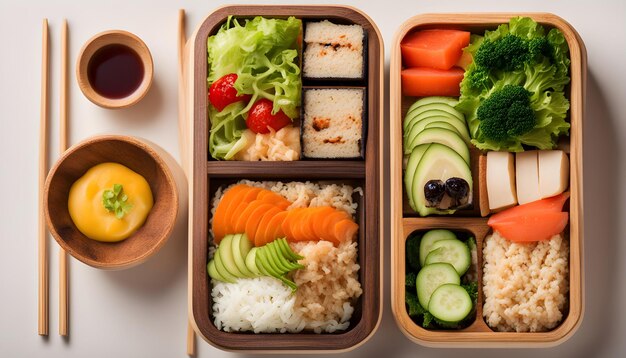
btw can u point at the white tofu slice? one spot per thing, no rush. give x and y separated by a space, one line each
500 180
553 172
527 176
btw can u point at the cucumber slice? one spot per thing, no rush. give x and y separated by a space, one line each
212 270
431 277
431 237
454 252
450 303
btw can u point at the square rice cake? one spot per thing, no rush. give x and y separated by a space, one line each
333 122
333 51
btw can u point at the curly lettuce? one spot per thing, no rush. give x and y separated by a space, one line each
520 54
262 52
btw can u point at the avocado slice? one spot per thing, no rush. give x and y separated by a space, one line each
277 259
459 126
411 168
438 162
442 136
450 101
240 246
282 259
212 270
221 269
287 251
435 107
251 262
226 252
411 118
264 263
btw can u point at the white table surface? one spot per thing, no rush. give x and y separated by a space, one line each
141 312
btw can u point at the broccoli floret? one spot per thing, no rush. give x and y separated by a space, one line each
508 53
506 113
540 46
479 78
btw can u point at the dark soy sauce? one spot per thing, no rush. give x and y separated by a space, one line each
115 71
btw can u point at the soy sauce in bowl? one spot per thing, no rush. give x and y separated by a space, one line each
115 71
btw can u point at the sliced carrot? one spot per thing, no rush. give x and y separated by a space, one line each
276 199
305 226
552 204
258 233
235 210
316 220
422 82
346 230
220 217
329 223
244 217
438 49
252 225
533 226
275 227
287 223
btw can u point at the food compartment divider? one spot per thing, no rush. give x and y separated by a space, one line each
208 174
404 220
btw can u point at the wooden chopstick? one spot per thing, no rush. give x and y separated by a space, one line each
63 279
43 172
182 139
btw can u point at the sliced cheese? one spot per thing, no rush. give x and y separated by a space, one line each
527 176
500 180
553 172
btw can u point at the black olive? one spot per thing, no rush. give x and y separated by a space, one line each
433 191
457 188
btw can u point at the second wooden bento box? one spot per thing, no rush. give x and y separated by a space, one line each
206 175
405 221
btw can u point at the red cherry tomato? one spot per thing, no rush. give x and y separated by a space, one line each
222 92
260 117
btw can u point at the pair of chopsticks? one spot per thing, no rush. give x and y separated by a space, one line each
182 138
43 172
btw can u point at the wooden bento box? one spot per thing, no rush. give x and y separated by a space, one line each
207 174
404 221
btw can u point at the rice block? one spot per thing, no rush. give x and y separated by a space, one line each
333 51
333 123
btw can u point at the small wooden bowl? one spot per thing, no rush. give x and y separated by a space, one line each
114 37
404 220
140 157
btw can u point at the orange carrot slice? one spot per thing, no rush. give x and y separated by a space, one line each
244 217
552 204
252 225
329 223
422 82
220 217
275 227
236 209
535 226
316 221
438 49
287 223
346 230
258 233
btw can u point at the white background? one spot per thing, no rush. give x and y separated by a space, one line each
141 312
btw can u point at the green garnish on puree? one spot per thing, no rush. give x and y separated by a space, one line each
115 200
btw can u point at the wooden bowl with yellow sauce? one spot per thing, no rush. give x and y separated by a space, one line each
112 201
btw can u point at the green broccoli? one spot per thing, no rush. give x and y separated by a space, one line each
506 114
508 54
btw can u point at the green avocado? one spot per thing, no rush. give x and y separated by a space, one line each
240 246
226 252
442 136
439 162
212 270
265 263
450 101
411 167
221 269
251 262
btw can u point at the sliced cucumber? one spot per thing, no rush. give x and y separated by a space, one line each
430 238
431 277
453 252
450 303
212 270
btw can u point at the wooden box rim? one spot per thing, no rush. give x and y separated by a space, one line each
197 166
578 68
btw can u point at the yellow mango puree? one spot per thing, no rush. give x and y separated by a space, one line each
88 212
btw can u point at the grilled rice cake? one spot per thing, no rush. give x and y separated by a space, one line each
333 123
333 51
